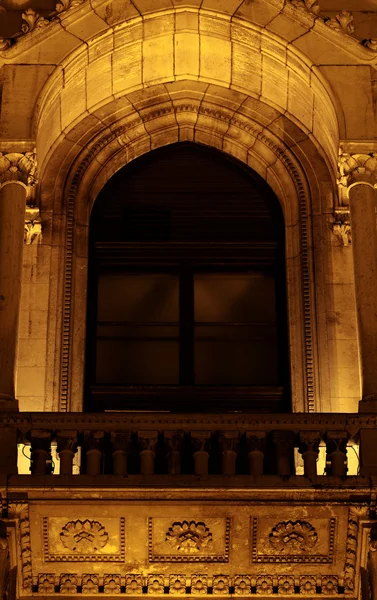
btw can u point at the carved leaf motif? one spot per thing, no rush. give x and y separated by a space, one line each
189 536
309 5
84 537
342 22
293 537
32 21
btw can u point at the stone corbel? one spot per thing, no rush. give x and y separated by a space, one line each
33 225
341 227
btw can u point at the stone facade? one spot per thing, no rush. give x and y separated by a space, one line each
288 87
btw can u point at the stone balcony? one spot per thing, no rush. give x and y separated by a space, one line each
188 504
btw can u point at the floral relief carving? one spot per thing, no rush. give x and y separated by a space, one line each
293 537
242 585
199 584
155 584
89 584
177 584
286 585
308 585
134 584
68 584
220 584
342 229
189 537
329 585
111 584
46 583
264 585
84 537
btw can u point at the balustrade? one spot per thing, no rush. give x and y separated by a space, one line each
200 446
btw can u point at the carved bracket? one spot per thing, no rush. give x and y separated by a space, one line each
33 225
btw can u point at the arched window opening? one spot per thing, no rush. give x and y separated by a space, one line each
186 292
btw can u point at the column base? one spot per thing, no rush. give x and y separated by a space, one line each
368 404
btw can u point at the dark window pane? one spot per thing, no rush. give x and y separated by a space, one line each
236 355
138 297
234 297
137 362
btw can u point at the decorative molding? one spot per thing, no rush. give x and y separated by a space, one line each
191 585
356 512
84 539
20 512
33 225
189 537
342 22
294 543
16 166
311 6
189 540
297 536
34 21
245 125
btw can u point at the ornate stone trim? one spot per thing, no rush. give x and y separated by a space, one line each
287 549
201 584
177 537
33 21
304 241
91 535
20 512
355 513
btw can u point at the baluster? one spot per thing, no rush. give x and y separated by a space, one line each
67 448
201 444
229 441
147 442
41 460
93 445
309 448
174 441
336 453
119 444
284 441
256 444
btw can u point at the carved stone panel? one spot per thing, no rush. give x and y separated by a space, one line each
188 540
83 539
297 541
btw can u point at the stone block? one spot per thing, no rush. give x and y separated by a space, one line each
186 59
127 68
158 60
215 59
368 454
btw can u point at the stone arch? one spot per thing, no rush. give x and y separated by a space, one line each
80 150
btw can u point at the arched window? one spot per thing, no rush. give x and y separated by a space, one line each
186 293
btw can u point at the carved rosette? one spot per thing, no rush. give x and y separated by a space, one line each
84 537
134 584
189 537
293 537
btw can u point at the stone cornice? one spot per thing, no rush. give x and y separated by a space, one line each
17 166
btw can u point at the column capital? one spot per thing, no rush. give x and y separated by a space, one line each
18 166
355 169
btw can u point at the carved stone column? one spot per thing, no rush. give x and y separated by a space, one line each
17 178
358 177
